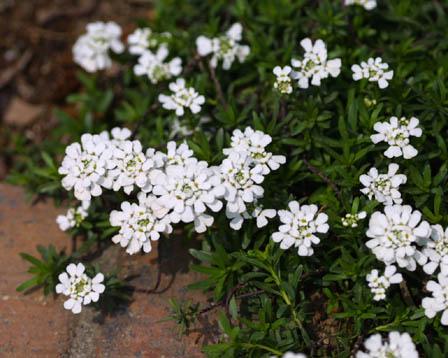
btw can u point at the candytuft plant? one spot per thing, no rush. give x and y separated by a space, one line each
302 142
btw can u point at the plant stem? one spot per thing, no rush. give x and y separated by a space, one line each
321 175
406 294
218 87
287 300
261 346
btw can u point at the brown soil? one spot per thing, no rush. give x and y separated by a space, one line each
36 63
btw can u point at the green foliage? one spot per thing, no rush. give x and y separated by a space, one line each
184 314
274 300
45 271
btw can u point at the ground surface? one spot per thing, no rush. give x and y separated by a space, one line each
36 65
32 325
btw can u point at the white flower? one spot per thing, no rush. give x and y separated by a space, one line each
384 187
74 217
374 70
394 235
300 223
379 284
367 4
158 158
143 39
120 134
140 223
352 219
436 250
254 143
179 155
129 166
225 47
138 41
397 346
182 97
439 300
153 65
255 212
397 133
314 66
188 190
84 166
283 79
262 215
91 50
240 180
80 288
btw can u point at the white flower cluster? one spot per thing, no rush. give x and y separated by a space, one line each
315 65
101 162
374 70
283 82
383 187
187 191
182 189
240 178
351 220
300 224
91 50
242 172
174 187
379 284
366 4
130 166
143 39
85 164
254 143
397 133
398 345
181 98
153 52
154 66
74 217
80 288
394 235
225 48
140 223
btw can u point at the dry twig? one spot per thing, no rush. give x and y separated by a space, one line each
321 175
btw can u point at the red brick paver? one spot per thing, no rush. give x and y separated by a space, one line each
139 332
30 325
